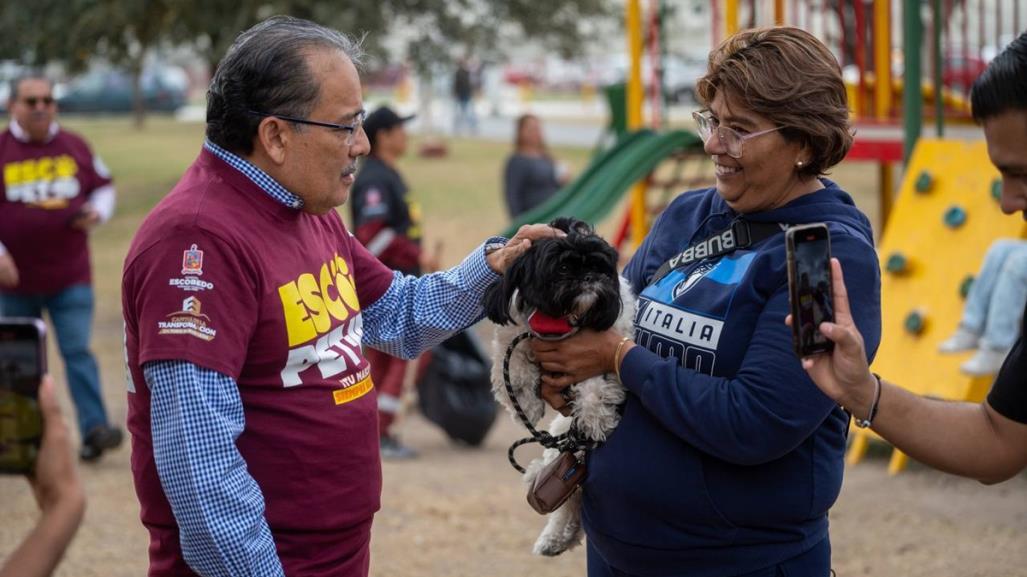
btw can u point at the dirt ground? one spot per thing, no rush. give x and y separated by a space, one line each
461 512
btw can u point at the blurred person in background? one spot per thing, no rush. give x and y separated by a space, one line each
990 324
59 493
531 175
464 87
387 221
55 191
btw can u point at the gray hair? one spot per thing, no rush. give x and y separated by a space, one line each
265 70
31 74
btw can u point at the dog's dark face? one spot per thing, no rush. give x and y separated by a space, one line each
574 276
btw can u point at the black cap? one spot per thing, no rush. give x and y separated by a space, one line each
383 119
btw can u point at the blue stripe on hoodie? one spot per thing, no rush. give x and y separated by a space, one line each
728 457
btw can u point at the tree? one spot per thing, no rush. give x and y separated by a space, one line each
125 31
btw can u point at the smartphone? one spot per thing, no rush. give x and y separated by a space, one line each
22 366
809 287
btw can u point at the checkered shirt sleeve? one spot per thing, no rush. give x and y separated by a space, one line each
417 313
196 415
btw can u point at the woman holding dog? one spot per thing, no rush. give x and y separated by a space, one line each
727 457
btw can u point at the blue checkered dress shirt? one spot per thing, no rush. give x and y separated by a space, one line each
197 414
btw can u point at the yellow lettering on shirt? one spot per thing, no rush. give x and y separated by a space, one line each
44 168
65 166
12 174
298 324
311 303
352 393
334 305
314 303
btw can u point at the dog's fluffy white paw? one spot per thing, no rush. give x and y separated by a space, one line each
552 545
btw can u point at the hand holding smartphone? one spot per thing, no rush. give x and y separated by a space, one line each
811 296
22 366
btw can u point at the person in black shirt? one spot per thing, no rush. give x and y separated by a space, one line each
387 221
986 441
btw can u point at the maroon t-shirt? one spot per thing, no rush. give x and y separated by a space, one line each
44 186
223 276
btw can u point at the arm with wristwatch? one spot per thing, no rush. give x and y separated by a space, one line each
967 439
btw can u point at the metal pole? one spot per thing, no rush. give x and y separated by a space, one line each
911 105
715 17
883 93
882 59
634 113
939 106
861 60
731 17
843 52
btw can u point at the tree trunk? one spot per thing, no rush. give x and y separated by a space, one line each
138 103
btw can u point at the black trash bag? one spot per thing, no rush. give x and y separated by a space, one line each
455 391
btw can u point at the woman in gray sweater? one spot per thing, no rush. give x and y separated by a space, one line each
531 175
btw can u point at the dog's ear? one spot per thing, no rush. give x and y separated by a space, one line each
496 304
571 225
497 299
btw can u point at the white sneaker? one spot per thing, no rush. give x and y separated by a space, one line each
962 340
985 362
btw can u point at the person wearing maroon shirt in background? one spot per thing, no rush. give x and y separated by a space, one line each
54 192
387 221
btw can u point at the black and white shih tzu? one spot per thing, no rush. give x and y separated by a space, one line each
558 286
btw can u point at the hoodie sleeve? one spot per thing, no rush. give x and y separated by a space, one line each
770 405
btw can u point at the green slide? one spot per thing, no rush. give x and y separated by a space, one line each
593 194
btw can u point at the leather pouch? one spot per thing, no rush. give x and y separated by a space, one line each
556 482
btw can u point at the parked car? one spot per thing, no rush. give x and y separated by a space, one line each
164 90
680 75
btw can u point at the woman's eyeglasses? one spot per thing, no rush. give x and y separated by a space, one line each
732 140
350 128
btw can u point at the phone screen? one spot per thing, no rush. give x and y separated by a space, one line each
810 279
21 370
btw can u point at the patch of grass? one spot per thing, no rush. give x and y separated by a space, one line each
461 193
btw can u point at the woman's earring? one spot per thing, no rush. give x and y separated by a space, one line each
800 164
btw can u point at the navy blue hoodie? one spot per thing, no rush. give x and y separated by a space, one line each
728 457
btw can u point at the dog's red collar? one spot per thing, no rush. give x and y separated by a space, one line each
550 328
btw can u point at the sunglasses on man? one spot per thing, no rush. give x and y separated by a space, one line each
32 101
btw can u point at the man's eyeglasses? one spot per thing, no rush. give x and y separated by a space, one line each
32 101
729 137
351 128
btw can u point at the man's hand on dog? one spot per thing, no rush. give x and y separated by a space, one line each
572 360
515 247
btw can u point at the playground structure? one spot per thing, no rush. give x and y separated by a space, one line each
946 213
945 217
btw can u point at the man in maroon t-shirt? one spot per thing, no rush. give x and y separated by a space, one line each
54 191
247 303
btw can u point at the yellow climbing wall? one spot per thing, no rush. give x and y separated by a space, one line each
944 179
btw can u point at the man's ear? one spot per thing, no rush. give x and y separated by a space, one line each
273 136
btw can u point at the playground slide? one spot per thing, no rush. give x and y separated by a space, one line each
944 219
608 177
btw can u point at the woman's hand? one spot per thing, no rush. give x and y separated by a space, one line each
843 374
574 359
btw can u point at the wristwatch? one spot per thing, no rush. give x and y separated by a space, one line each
493 247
